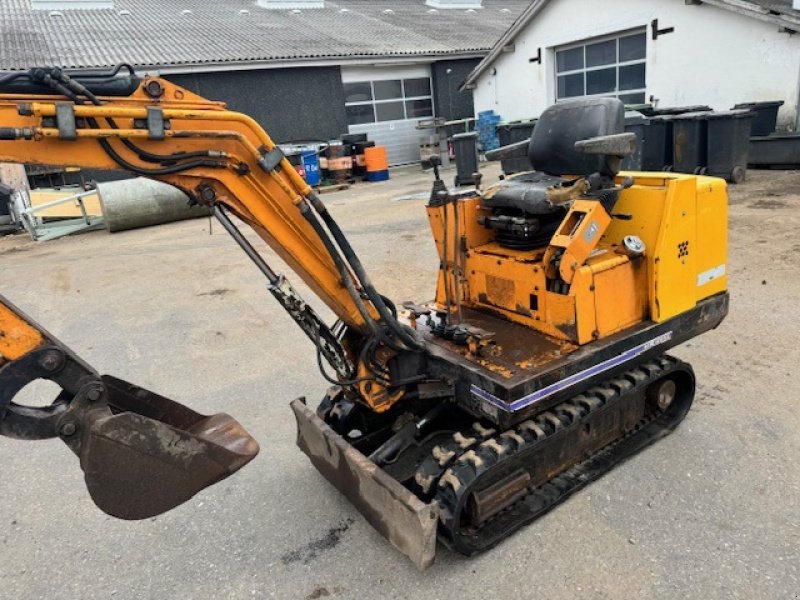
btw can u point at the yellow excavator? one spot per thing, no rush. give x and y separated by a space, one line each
539 366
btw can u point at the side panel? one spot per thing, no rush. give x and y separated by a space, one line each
674 276
712 237
620 294
460 241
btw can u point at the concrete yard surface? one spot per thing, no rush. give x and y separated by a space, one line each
712 511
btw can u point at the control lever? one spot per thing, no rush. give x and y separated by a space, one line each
439 191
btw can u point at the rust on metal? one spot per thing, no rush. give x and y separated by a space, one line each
512 352
406 521
156 454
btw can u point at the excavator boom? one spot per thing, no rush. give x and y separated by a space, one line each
214 155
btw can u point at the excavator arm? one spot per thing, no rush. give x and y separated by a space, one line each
141 453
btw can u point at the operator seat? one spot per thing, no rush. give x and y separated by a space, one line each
552 154
526 207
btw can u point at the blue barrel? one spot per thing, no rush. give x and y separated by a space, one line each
311 165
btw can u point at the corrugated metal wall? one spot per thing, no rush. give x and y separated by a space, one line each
291 104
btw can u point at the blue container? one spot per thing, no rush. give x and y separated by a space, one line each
311 166
378 175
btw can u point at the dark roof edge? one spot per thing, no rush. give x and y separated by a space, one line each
322 61
280 63
787 22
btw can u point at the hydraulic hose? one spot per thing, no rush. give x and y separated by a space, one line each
345 276
143 155
358 268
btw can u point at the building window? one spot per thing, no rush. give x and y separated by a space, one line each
614 66
388 100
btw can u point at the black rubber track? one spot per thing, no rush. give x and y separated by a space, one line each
534 445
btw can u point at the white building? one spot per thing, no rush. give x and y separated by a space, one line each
666 52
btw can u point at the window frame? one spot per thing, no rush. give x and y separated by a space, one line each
403 99
616 65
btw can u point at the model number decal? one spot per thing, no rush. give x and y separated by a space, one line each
657 341
710 275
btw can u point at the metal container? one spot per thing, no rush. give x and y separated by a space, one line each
141 202
765 116
340 162
775 151
353 140
465 147
690 142
511 133
296 159
377 161
729 144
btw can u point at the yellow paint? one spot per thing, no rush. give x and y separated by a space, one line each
682 219
576 237
619 297
17 337
712 235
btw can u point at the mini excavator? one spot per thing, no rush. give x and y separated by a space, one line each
539 366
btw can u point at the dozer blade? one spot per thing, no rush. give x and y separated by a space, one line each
402 518
149 454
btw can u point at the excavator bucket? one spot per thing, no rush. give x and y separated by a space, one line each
141 454
406 521
151 454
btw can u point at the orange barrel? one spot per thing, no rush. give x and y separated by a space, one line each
377 163
359 159
340 162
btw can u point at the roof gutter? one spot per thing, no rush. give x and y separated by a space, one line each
506 39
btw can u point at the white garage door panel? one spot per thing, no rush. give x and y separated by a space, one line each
401 138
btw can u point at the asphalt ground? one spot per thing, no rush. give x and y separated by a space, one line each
709 512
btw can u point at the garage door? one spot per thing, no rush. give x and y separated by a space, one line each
387 104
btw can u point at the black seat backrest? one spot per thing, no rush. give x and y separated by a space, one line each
552 147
